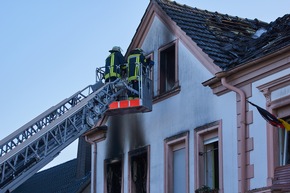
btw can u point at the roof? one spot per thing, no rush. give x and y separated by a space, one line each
228 40
58 179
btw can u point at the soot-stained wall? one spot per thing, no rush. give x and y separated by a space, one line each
122 130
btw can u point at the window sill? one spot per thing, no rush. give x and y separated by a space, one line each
166 95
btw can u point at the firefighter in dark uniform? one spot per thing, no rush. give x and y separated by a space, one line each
115 64
135 58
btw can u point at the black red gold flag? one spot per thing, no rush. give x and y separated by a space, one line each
272 119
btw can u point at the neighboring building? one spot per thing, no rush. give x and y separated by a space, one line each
73 176
201 131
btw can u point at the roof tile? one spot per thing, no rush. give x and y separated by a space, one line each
58 179
228 40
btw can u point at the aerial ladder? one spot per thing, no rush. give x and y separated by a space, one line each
28 149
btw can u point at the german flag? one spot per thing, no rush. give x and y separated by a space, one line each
271 119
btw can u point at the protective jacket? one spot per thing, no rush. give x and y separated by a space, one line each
134 60
113 61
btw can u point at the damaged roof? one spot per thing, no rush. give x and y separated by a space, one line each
229 41
59 179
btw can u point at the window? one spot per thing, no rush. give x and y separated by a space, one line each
151 58
208 158
211 167
113 176
167 68
139 170
277 96
176 164
284 145
151 71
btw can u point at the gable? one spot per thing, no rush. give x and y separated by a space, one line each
154 11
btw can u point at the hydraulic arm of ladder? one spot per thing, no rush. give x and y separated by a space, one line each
34 145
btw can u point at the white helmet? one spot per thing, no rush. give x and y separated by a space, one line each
116 48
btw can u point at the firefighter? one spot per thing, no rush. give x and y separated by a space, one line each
115 64
135 58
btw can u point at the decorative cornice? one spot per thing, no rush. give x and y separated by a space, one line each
251 72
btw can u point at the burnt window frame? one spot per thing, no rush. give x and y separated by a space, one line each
163 93
151 75
134 153
112 161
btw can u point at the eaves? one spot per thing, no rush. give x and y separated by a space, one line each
251 71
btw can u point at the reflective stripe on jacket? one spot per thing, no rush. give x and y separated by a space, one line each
134 61
113 61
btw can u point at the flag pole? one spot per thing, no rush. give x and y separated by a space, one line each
285 147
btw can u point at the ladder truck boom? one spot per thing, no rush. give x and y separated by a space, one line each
31 147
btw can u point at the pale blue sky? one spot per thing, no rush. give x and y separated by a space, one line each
50 48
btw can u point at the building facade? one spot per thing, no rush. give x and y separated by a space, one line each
202 132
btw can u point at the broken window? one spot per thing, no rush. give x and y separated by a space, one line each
139 166
167 69
176 164
113 176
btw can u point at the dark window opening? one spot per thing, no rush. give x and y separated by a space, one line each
139 165
114 177
167 69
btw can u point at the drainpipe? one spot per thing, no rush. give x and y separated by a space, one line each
241 131
93 167
94 136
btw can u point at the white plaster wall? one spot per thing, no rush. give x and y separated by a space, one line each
158 35
226 108
258 131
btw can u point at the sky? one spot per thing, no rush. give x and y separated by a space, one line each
49 49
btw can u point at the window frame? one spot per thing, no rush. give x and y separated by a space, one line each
151 56
201 134
277 107
176 87
280 108
111 161
137 152
170 144
282 146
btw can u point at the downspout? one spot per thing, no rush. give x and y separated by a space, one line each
94 169
93 136
241 131
93 166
